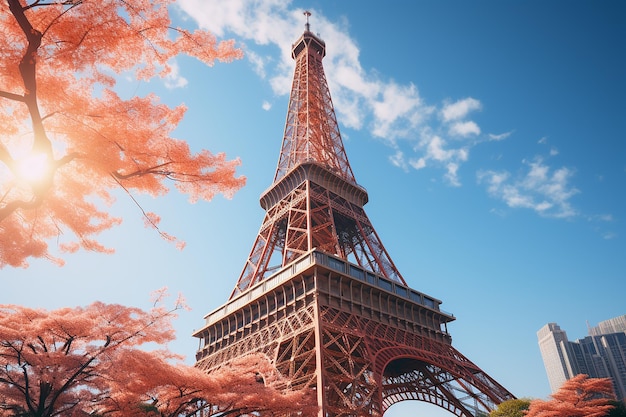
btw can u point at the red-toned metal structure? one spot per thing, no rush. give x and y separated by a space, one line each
319 294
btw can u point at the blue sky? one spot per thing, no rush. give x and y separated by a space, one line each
490 138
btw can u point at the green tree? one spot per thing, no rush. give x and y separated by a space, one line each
511 408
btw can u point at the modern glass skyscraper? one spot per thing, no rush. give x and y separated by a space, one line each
602 354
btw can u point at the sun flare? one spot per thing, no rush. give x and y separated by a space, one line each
33 167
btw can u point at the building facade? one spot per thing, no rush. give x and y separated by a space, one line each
601 354
556 354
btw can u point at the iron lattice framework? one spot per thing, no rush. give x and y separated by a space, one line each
315 201
319 294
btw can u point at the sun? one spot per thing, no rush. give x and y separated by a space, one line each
33 167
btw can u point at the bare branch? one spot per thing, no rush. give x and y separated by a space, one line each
12 96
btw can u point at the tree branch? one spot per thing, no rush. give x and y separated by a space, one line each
140 172
27 67
145 215
12 96
39 3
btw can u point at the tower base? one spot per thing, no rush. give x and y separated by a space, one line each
359 340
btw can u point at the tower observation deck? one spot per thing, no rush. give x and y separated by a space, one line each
319 294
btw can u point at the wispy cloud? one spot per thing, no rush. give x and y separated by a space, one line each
603 217
553 150
174 79
398 160
433 150
444 145
395 113
455 114
459 109
464 129
419 134
602 222
609 235
258 63
540 188
500 136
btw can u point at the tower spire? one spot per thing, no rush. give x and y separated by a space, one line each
307 27
311 130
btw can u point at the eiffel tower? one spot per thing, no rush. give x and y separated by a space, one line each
319 294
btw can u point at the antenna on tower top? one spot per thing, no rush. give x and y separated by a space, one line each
307 26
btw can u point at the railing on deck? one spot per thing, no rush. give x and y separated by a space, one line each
339 265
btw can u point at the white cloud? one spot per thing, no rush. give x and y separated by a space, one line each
398 160
397 111
418 163
542 189
281 84
451 174
544 141
436 151
454 117
249 19
464 129
500 136
348 75
450 155
349 112
609 235
258 63
459 109
393 112
266 105
173 79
